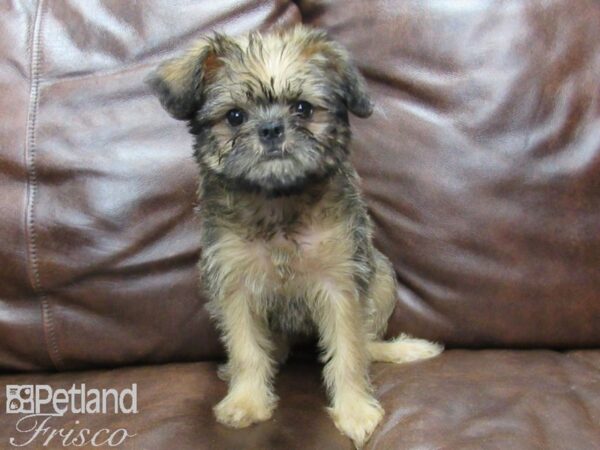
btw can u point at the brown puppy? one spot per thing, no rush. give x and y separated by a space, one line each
285 234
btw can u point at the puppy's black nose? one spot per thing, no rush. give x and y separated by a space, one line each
270 132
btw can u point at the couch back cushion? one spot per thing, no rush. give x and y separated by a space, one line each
482 163
99 241
481 166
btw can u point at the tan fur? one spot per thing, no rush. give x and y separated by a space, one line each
251 366
181 71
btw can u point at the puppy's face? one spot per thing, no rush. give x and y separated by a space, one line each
269 112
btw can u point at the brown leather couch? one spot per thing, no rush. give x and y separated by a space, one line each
481 167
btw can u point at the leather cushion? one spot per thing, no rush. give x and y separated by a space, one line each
462 400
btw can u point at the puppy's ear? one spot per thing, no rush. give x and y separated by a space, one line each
350 83
179 83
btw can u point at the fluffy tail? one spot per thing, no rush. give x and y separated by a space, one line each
403 349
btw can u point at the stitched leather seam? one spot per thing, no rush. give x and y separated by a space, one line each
30 145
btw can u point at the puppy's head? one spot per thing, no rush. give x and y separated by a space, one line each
268 111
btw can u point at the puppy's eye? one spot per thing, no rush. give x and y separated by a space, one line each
235 117
303 109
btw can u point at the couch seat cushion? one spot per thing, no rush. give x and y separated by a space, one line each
462 400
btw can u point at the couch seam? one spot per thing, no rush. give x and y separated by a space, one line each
32 186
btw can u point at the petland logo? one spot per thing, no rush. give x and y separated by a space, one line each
42 404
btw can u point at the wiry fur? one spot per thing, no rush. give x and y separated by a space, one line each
286 241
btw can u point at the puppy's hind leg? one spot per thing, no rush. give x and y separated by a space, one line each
381 304
403 349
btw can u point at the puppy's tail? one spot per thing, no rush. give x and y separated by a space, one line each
403 349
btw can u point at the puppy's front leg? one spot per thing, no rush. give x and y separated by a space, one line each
251 367
354 410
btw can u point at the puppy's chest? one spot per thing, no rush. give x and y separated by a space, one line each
300 252
285 240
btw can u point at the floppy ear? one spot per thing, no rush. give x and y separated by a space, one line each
350 83
179 83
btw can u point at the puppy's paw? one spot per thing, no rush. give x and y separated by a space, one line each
240 410
406 348
357 418
403 349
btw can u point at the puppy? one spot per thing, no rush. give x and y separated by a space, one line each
286 237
